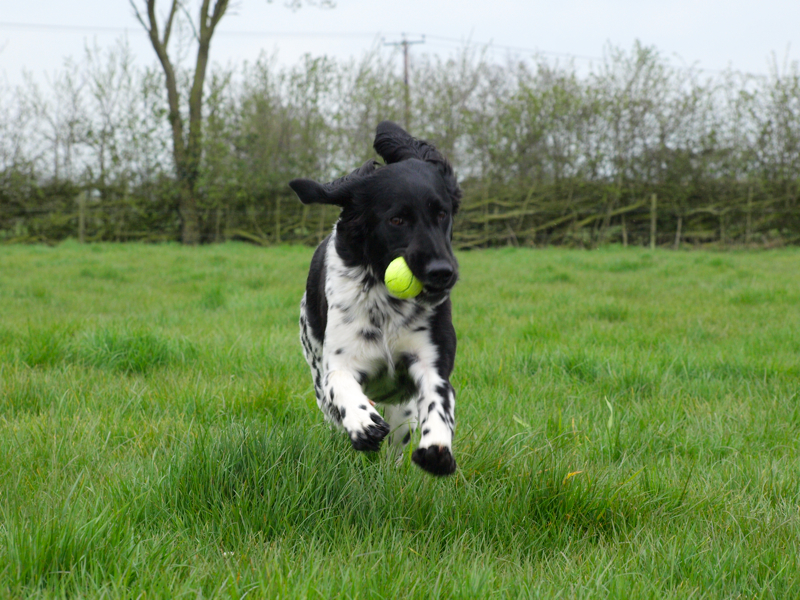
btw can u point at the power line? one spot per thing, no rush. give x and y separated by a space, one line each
328 34
103 29
335 34
75 28
513 48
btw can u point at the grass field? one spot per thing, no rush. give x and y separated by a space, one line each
628 427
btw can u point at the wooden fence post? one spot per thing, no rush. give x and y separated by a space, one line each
278 219
82 217
653 202
624 232
748 228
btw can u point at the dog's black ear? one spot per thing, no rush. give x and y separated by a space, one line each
394 144
336 192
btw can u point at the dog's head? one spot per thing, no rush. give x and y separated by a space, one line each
404 208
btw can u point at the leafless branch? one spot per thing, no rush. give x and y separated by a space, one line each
191 22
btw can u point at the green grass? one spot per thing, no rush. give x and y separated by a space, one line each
628 427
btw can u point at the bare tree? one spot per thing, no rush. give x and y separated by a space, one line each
186 148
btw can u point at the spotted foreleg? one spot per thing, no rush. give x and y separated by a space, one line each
436 405
365 427
312 351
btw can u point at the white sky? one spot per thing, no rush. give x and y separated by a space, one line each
38 35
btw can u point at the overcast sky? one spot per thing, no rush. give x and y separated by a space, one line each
38 35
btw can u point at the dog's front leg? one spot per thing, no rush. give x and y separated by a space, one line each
436 405
362 422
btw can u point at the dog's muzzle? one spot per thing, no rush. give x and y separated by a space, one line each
439 275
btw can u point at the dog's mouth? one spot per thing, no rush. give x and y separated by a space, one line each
437 288
433 297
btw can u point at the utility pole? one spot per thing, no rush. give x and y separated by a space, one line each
405 43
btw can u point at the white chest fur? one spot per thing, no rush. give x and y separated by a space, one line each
368 331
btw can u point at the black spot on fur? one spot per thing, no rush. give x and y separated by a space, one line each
342 410
416 313
362 406
369 281
410 358
396 305
339 351
407 437
446 392
370 335
376 317
442 390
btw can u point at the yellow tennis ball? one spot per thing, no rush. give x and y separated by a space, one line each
400 281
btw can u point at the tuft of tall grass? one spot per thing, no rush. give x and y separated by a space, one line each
42 346
117 348
130 350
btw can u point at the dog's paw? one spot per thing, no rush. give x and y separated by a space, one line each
436 460
370 435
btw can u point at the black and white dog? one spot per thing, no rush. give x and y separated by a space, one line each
362 344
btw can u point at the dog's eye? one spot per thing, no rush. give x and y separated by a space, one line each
442 216
397 221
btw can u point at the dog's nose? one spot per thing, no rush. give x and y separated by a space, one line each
439 273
